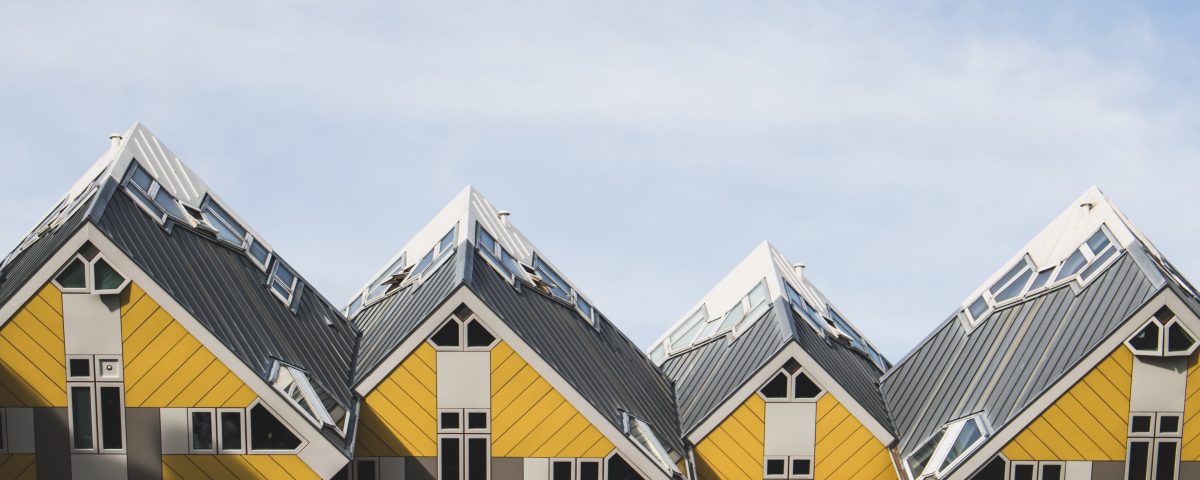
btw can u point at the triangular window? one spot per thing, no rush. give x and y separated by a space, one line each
447 336
1164 335
478 336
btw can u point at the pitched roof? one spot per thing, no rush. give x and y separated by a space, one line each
1001 358
588 351
710 366
215 282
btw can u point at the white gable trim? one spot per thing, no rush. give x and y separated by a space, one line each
1018 424
322 456
42 276
791 350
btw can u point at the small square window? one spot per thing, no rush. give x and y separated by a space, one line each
477 421
801 468
1141 424
561 470
80 368
775 468
1168 424
450 421
1052 471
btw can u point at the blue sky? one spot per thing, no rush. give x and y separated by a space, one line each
901 151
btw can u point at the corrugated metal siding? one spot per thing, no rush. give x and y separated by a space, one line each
599 362
389 322
853 372
1012 357
707 375
226 293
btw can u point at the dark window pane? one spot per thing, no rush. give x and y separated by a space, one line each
73 276
776 466
477 459
449 458
485 239
1016 269
110 417
1051 472
477 336
977 308
1016 288
1141 424
1164 462
81 417
364 470
424 263
448 240
202 431
168 204
105 276
1147 338
994 470
80 367
1023 472
447 336
231 430
1168 424
1139 461
560 471
1042 278
1178 339
1097 263
1098 241
589 470
268 433
801 466
477 420
619 469
259 251
805 388
776 388
920 458
140 178
1072 265
450 421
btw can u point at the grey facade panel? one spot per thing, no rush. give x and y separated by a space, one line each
228 294
144 449
598 361
420 468
388 322
508 468
52 440
1012 357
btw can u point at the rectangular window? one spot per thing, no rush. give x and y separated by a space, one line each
1024 471
478 458
450 421
775 468
79 367
801 468
1052 471
82 426
112 413
1166 460
201 428
589 470
562 469
477 421
450 457
366 469
283 282
230 430
1138 462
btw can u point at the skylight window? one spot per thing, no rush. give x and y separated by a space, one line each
946 448
643 436
495 254
389 281
1024 277
313 401
698 328
436 255
802 307
230 231
283 282
151 195
552 283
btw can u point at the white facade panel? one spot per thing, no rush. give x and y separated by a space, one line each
791 429
464 379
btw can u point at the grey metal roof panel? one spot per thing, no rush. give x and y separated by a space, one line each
26 263
388 322
599 362
1012 357
853 371
707 375
226 293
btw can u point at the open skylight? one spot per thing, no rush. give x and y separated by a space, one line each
151 195
313 401
698 327
1025 278
832 323
643 436
946 448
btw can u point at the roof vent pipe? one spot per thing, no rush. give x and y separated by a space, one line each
115 139
503 214
799 268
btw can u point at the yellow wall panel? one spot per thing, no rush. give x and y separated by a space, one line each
165 366
399 417
1191 414
18 466
845 447
32 359
735 448
532 419
1089 421
205 467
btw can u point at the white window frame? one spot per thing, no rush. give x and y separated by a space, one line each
91 274
100 361
272 278
1012 469
812 466
465 468
466 424
399 265
219 423
463 335
250 433
91 395
791 388
1161 350
87 275
462 449
319 416
599 467
634 427
780 458
91 376
462 421
120 386
212 415
438 259
574 468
